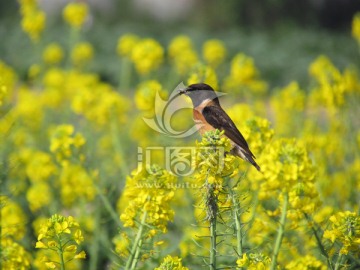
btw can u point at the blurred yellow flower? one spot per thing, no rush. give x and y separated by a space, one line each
178 45
147 56
82 53
244 77
39 195
171 263
345 228
126 44
214 52
182 54
13 255
203 74
66 144
13 219
33 20
145 96
75 13
254 261
76 185
288 105
53 54
305 263
355 30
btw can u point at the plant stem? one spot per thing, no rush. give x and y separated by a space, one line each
318 241
339 262
281 232
212 211
125 74
61 254
238 228
135 250
108 206
94 251
213 242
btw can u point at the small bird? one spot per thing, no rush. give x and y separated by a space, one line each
208 115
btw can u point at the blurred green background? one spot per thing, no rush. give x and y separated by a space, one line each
283 36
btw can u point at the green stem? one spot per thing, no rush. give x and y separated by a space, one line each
108 206
238 228
319 243
213 242
125 74
339 263
117 144
94 251
135 250
281 232
61 254
212 212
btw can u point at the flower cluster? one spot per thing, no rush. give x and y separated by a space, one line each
63 236
33 19
304 263
147 55
75 14
356 27
171 263
148 193
254 261
244 76
53 54
332 86
345 228
214 52
182 54
66 144
213 160
125 44
82 53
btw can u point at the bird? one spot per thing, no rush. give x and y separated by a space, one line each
209 115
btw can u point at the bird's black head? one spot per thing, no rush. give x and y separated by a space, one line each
200 92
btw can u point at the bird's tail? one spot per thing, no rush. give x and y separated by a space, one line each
246 155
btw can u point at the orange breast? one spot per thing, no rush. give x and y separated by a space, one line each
200 122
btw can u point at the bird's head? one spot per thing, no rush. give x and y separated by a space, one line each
200 92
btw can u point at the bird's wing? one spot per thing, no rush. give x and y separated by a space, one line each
218 118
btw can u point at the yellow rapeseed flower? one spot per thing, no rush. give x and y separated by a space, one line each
75 13
13 255
204 74
148 192
254 261
60 235
33 24
53 54
66 144
244 76
147 56
345 228
171 263
305 263
146 93
126 44
355 30
82 53
214 52
13 219
182 54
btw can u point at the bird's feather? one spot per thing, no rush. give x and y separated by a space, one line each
218 118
